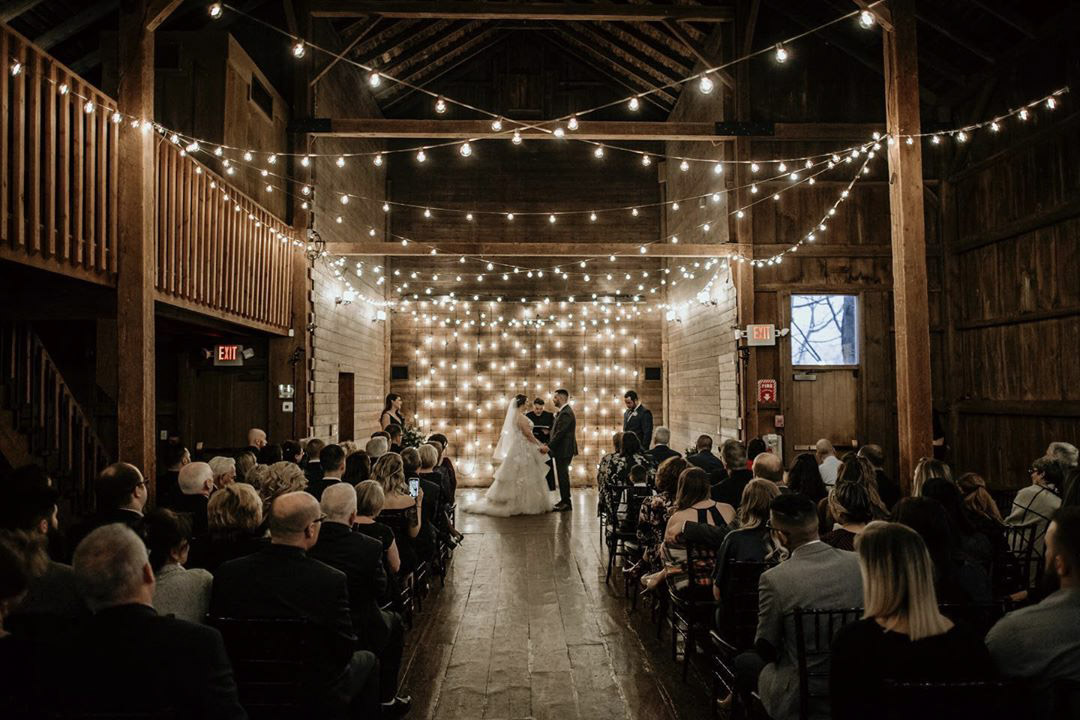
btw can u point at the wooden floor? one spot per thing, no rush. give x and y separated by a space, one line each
526 628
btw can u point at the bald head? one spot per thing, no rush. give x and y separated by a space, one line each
339 503
257 438
823 449
196 479
767 466
294 520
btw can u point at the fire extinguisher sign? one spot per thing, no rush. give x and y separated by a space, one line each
766 392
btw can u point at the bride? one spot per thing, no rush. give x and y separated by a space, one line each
520 485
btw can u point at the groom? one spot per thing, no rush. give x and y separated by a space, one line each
562 445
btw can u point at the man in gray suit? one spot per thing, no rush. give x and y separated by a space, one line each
815 576
562 446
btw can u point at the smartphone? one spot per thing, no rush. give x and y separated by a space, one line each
414 487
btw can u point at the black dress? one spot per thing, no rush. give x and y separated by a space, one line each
394 419
386 536
864 656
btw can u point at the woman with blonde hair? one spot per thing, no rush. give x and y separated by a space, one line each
927 469
902 636
281 477
245 461
389 473
370 500
751 540
235 519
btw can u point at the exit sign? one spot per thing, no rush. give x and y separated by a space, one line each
760 335
228 355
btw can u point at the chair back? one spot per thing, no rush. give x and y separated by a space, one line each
983 699
1012 569
700 564
739 602
815 630
275 663
976 618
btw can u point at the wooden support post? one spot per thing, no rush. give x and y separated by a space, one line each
136 409
910 297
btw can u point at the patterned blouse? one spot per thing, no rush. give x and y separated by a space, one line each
614 469
652 522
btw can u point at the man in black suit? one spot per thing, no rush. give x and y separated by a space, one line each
562 446
637 418
660 451
361 559
256 441
196 482
332 460
542 421
703 458
120 492
174 457
394 431
129 659
281 581
729 490
313 469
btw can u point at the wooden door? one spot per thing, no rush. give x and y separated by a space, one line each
346 406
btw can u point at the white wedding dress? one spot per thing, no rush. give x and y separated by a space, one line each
519 486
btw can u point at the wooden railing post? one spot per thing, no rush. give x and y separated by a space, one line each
136 408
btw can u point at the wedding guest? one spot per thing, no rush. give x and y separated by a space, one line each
445 463
828 463
178 664
637 419
978 498
703 458
270 454
1065 453
767 466
804 478
755 447
750 540
370 499
332 460
256 440
391 412
856 470
389 472
120 492
433 522
957 579
244 462
196 484
963 525
179 592
357 468
1040 644
313 469
1037 503
656 510
902 636
257 477
394 431
281 477
429 472
887 488
630 455
606 470
376 447
224 471
291 451
850 506
235 528
660 450
174 456
927 469
729 490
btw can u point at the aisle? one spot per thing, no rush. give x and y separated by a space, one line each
525 628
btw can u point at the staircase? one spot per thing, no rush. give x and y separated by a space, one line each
41 422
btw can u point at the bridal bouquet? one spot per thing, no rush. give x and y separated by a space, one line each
412 436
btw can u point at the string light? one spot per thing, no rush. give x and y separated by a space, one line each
572 123
497 124
705 84
866 19
465 150
215 10
377 160
440 106
517 138
781 53
421 156
375 79
598 152
298 49
634 104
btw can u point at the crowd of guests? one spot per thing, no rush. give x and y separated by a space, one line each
117 612
837 533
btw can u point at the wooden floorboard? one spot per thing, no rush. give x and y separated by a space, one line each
526 628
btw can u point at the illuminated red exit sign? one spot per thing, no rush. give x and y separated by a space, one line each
228 355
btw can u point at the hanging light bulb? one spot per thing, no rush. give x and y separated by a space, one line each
465 150
781 53
377 160
754 167
705 84
634 212
215 10
1023 114
684 166
305 161
427 212
675 206
559 132
717 169
1051 103
517 138
440 106
634 104
782 167
340 162
510 217
551 219
674 239
298 49
598 152
592 218
496 124
63 89
572 123
646 160
88 107
866 19
469 216
386 207
421 156
344 199
374 79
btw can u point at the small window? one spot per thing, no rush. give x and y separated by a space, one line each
652 373
262 98
824 330
399 372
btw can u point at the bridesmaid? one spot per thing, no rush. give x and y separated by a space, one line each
391 412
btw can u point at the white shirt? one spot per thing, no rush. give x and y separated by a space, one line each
828 468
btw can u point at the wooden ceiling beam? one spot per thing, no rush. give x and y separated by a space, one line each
521 11
75 24
368 27
704 56
650 72
539 249
434 47
441 65
158 11
643 45
1007 16
411 37
589 57
14 8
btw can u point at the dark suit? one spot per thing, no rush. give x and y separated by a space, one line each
194 506
730 488
562 446
639 422
361 559
316 487
132 518
168 487
313 471
708 462
130 659
660 453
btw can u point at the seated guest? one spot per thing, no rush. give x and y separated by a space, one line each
224 470
357 468
729 490
755 447
1041 643
964 524
660 450
120 494
394 431
258 477
313 469
234 518
815 576
977 497
382 434
1037 503
630 455
271 454
703 458
606 470
179 665
179 592
376 447
804 478
750 541
656 510
292 452
174 456
332 459
902 636
196 484
429 472
928 469
957 579
445 463
389 472
767 466
887 488
281 477
828 462
850 506
256 440
370 499
244 462
282 581
360 557
433 523
1065 453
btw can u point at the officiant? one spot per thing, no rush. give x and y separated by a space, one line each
542 421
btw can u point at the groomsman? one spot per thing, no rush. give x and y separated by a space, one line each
637 418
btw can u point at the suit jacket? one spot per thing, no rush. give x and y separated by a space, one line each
563 441
361 559
316 487
730 488
815 577
194 506
132 518
543 423
313 471
639 422
660 453
281 581
709 463
130 659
